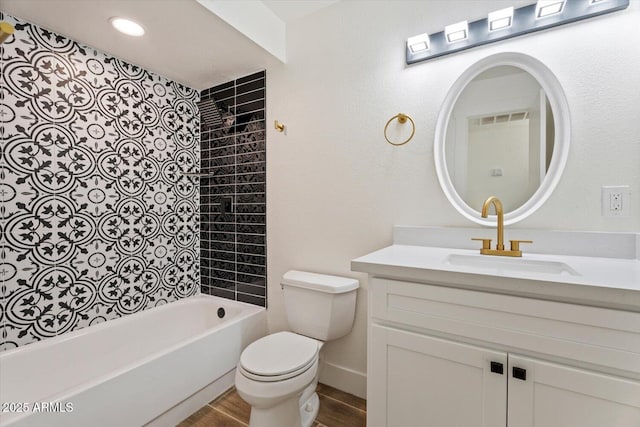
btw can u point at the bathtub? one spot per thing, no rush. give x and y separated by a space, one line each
151 368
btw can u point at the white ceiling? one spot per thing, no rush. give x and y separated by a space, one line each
290 10
183 41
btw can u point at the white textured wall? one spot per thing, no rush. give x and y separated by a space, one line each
336 188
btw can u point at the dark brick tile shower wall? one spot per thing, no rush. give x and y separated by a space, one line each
233 194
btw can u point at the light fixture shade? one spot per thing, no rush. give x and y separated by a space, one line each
457 32
127 26
546 8
418 43
500 19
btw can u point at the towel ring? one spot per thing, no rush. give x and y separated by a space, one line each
402 118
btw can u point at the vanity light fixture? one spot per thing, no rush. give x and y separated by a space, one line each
418 43
127 26
546 8
506 23
500 19
457 32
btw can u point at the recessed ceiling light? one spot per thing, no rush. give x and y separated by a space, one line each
127 26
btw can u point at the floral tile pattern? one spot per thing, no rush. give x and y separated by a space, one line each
97 219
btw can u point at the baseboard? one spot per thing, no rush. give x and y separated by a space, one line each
344 379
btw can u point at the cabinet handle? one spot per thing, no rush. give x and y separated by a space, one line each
497 367
519 373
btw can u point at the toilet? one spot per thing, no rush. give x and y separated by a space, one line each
278 374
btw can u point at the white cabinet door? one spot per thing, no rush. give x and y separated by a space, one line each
552 395
417 380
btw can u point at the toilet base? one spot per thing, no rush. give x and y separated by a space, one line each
291 412
309 410
286 413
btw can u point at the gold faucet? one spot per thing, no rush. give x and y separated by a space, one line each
486 243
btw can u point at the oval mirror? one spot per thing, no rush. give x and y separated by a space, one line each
503 131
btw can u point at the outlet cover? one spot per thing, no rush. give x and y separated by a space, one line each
616 201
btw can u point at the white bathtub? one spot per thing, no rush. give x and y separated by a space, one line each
155 367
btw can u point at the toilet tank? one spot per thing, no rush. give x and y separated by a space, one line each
318 305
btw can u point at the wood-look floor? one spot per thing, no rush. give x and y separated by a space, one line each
337 409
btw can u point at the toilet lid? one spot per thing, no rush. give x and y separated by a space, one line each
282 355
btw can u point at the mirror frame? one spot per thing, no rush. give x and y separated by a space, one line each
561 120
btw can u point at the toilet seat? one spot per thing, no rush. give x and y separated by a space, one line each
278 357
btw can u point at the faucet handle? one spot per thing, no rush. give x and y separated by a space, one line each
486 243
515 244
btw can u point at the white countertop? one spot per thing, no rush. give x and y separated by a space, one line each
590 280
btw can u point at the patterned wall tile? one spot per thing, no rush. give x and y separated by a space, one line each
233 244
98 220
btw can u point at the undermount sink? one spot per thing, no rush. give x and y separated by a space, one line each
511 264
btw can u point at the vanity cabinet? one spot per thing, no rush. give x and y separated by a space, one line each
419 380
441 356
556 395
